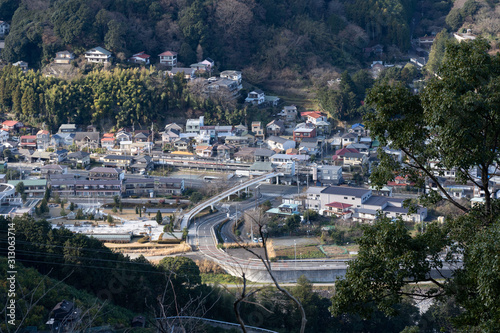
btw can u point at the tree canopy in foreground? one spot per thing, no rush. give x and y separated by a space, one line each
454 124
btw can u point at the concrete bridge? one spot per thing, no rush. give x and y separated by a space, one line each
226 194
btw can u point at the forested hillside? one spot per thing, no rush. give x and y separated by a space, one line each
117 98
266 34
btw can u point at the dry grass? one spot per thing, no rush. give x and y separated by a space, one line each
207 266
162 251
239 245
270 249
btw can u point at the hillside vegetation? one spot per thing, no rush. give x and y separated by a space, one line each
258 34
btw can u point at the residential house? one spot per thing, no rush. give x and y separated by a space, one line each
187 73
263 154
141 136
194 125
28 141
220 87
238 141
245 155
225 152
98 55
288 113
314 116
12 125
358 129
174 126
86 139
58 156
79 158
42 139
67 128
23 65
282 159
170 136
142 164
256 97
285 209
355 159
64 57
275 127
349 138
205 151
233 76
306 131
206 65
363 205
426 41
123 135
361 148
168 58
338 209
117 161
140 58
258 130
49 169
103 173
108 141
126 146
309 147
4 28
4 135
338 157
62 139
279 143
327 174
40 156
182 144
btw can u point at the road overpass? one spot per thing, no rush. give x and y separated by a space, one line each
213 200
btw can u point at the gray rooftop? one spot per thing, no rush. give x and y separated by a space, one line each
350 191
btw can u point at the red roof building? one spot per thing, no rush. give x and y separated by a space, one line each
11 125
338 208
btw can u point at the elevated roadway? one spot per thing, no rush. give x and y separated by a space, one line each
185 222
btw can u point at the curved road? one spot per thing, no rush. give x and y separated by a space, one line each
202 234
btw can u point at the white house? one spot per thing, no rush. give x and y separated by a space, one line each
140 58
282 144
256 97
194 125
63 57
98 55
168 58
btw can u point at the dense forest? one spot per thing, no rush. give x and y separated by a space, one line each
266 34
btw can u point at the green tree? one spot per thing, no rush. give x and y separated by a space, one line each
63 211
438 49
195 197
159 218
454 122
110 219
20 188
71 206
184 270
44 207
292 222
46 195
